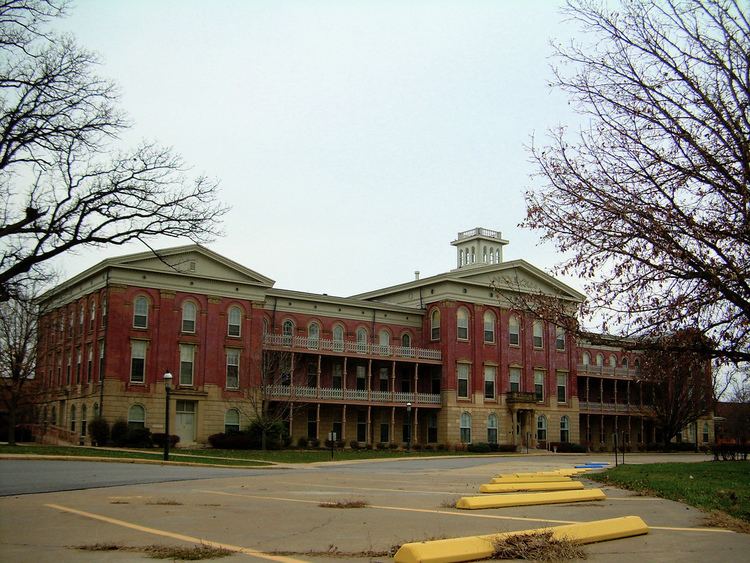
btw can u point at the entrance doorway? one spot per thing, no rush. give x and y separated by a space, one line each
185 421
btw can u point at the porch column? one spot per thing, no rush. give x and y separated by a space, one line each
343 423
317 381
415 434
291 374
317 421
369 424
393 424
393 382
369 389
416 381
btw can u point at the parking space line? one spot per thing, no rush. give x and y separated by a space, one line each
173 535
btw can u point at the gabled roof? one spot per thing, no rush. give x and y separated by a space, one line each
516 276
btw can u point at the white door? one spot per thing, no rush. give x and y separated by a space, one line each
185 422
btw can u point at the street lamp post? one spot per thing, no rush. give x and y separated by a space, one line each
408 417
167 389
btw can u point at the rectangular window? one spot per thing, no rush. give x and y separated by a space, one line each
233 369
539 385
538 329
560 339
137 361
361 426
69 371
361 379
187 362
101 360
312 375
90 364
562 379
515 380
514 338
337 430
312 424
385 432
432 428
337 376
78 366
384 379
463 381
489 382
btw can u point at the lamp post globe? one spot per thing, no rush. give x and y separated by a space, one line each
167 389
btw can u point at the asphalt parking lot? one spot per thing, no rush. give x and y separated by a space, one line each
276 515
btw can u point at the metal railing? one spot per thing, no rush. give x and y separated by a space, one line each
357 395
590 369
349 347
479 231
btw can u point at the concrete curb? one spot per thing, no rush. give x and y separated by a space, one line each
537 486
528 499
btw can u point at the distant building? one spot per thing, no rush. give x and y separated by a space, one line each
439 360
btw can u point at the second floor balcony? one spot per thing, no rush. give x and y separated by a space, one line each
355 396
607 371
350 348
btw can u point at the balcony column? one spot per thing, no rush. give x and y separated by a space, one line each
369 391
393 382
291 418
317 380
317 422
416 381
393 424
369 425
343 423
601 393
343 382
415 427
291 374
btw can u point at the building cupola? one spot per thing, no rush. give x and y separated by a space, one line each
479 247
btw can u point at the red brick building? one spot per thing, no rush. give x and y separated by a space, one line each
439 360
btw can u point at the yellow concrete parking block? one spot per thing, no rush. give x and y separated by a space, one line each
528 499
536 486
472 548
524 478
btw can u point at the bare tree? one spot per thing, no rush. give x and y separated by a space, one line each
649 200
64 182
18 338
679 381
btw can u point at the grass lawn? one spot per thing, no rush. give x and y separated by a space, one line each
210 456
710 485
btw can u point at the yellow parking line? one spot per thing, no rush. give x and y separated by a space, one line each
450 513
181 537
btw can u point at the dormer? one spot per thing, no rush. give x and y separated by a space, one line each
479 247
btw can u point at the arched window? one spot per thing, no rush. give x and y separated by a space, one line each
489 326
460 258
265 326
406 340
492 429
384 341
361 339
313 335
466 428
625 362
188 316
612 361
234 321
287 332
484 254
72 418
83 420
435 324
140 312
538 333
564 429
599 360
136 417
586 359
462 323
637 364
338 338
514 331
231 421
96 410
541 428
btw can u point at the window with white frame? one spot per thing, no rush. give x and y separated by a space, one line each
383 376
705 432
599 360
189 311
539 385
72 418
435 324
490 373
492 429
90 364
231 421
384 341
361 340
313 335
538 333
463 381
136 417
564 429
514 331
462 323
624 362
187 364
514 376
361 378
234 321
338 375
233 369
287 332
92 318
489 326
559 339
406 340
541 428
465 428
612 361
338 338
137 361
140 312
84 420
101 360
562 387
586 359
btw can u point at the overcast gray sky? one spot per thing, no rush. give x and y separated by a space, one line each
352 139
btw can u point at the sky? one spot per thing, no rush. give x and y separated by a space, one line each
352 139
